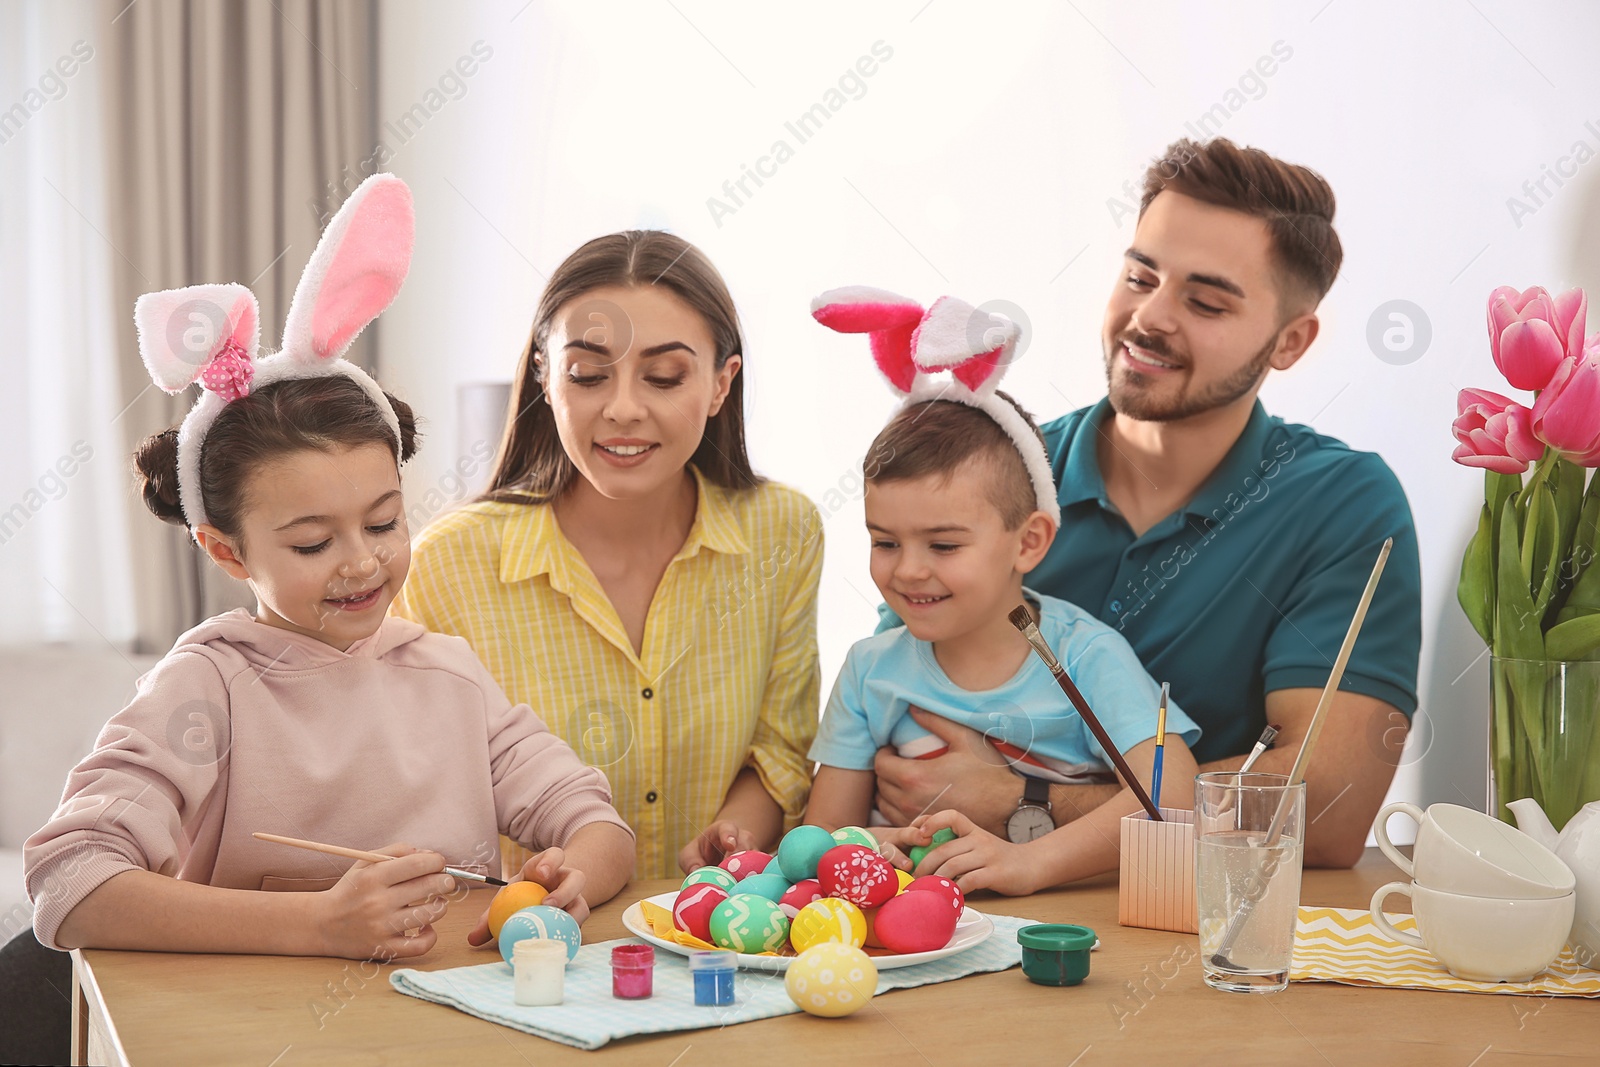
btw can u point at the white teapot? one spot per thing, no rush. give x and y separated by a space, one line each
1578 845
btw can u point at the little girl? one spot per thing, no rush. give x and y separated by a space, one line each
317 717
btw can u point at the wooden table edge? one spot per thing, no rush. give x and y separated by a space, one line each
88 1006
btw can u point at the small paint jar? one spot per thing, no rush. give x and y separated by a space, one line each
1056 953
713 977
632 971
539 968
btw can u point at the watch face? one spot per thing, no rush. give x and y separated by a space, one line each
1028 823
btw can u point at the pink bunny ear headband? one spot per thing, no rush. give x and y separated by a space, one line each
912 347
211 333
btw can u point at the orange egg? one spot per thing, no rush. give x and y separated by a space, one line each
512 899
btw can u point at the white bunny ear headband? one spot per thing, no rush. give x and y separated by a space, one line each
912 348
211 333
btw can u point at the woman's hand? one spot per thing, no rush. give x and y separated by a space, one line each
716 841
977 859
549 869
385 911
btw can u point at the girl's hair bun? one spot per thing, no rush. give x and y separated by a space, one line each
156 462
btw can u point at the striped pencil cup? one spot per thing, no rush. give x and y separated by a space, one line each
1156 887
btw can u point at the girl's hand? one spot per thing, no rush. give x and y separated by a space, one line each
548 868
715 841
977 859
385 911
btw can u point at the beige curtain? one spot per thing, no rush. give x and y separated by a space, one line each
236 129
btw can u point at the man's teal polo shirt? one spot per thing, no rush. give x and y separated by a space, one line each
1250 587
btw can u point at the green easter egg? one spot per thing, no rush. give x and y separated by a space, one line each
710 875
800 850
939 838
854 835
748 923
771 886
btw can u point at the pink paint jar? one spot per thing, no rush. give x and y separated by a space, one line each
632 971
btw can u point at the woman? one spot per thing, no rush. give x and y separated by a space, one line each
627 573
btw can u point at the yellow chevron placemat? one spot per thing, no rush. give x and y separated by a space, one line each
1346 946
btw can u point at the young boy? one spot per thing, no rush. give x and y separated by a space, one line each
957 520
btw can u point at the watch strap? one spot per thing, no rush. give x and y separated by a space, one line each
1036 791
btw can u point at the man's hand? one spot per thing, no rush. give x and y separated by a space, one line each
970 776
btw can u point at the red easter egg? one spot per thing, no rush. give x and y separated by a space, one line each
742 864
692 910
857 874
932 883
799 895
915 922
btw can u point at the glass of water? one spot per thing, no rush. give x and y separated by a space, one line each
1249 829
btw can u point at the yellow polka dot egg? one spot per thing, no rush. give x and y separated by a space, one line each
831 979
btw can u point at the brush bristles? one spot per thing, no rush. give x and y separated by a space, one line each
1021 617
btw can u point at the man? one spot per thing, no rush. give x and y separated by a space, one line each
1228 547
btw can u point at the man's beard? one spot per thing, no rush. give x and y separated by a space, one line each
1134 400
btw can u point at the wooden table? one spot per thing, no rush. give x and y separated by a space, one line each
1144 1002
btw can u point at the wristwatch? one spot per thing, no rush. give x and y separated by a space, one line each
1032 818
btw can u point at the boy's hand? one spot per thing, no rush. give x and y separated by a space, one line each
385 911
715 842
548 868
977 859
896 842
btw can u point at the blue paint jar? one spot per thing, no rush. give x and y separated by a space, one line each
713 977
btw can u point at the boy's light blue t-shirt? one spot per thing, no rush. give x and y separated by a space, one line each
885 674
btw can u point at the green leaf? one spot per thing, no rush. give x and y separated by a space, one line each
1584 598
1516 620
1577 638
1567 480
1475 590
1546 547
1498 488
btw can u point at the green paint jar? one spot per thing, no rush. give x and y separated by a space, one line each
1056 953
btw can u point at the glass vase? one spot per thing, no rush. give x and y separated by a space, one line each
1543 741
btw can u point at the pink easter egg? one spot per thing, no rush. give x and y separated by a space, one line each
857 874
799 895
932 883
915 922
742 864
691 912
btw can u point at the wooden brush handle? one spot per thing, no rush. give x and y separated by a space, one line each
1069 688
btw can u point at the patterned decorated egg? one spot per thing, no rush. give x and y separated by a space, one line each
749 924
939 838
933 883
750 861
831 980
855 835
710 876
800 850
544 921
691 912
905 878
857 874
799 895
767 884
827 920
915 922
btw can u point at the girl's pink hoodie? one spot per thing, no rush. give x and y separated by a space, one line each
246 727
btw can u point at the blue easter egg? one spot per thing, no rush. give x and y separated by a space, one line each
800 850
770 886
541 920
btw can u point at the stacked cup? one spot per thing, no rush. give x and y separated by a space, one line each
1491 903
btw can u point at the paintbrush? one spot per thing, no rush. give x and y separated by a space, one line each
1022 619
1297 774
1269 735
371 857
1161 745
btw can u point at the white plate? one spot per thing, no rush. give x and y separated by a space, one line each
973 928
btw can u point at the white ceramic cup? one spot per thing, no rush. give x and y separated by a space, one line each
1482 939
1460 850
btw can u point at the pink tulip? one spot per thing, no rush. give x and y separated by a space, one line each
1495 432
1567 414
1529 334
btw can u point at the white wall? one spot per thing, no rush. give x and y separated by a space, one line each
982 160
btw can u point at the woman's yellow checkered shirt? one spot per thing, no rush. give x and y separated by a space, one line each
727 675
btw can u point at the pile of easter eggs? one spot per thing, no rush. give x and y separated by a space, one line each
518 912
817 888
